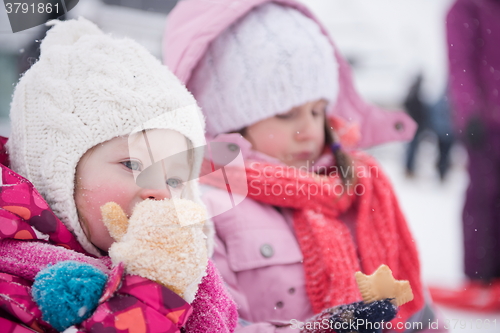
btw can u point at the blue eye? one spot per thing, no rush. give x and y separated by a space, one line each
174 182
132 165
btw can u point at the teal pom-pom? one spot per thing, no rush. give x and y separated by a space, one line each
68 292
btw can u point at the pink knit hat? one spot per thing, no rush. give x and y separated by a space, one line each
193 25
268 62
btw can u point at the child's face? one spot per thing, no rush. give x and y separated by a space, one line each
106 173
295 138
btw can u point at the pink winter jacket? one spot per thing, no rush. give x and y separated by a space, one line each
260 260
32 237
193 24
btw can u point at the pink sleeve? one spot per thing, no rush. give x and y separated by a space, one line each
139 305
26 258
213 308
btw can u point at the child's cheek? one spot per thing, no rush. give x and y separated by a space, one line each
113 193
92 201
91 204
280 147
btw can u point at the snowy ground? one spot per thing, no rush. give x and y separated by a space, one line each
433 210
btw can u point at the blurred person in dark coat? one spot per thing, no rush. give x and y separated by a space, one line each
473 29
431 117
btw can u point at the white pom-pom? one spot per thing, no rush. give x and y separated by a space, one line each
68 32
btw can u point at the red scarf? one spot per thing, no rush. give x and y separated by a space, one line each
331 257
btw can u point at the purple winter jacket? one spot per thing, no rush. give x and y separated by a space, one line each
32 237
473 28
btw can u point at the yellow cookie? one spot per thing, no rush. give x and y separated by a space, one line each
381 284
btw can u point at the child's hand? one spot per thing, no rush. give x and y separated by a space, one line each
350 318
363 317
163 241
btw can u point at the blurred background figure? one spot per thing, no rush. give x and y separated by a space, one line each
474 53
432 117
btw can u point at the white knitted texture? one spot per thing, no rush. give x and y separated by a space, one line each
272 60
88 88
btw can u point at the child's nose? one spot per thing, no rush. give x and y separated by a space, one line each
155 194
306 129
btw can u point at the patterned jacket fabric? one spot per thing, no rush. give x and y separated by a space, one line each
32 237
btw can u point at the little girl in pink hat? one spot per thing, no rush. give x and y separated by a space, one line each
271 84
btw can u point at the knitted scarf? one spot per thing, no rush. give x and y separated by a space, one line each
331 255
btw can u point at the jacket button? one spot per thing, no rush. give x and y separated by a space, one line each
232 147
266 250
279 305
399 126
291 290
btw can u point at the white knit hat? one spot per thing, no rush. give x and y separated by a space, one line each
272 60
88 88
